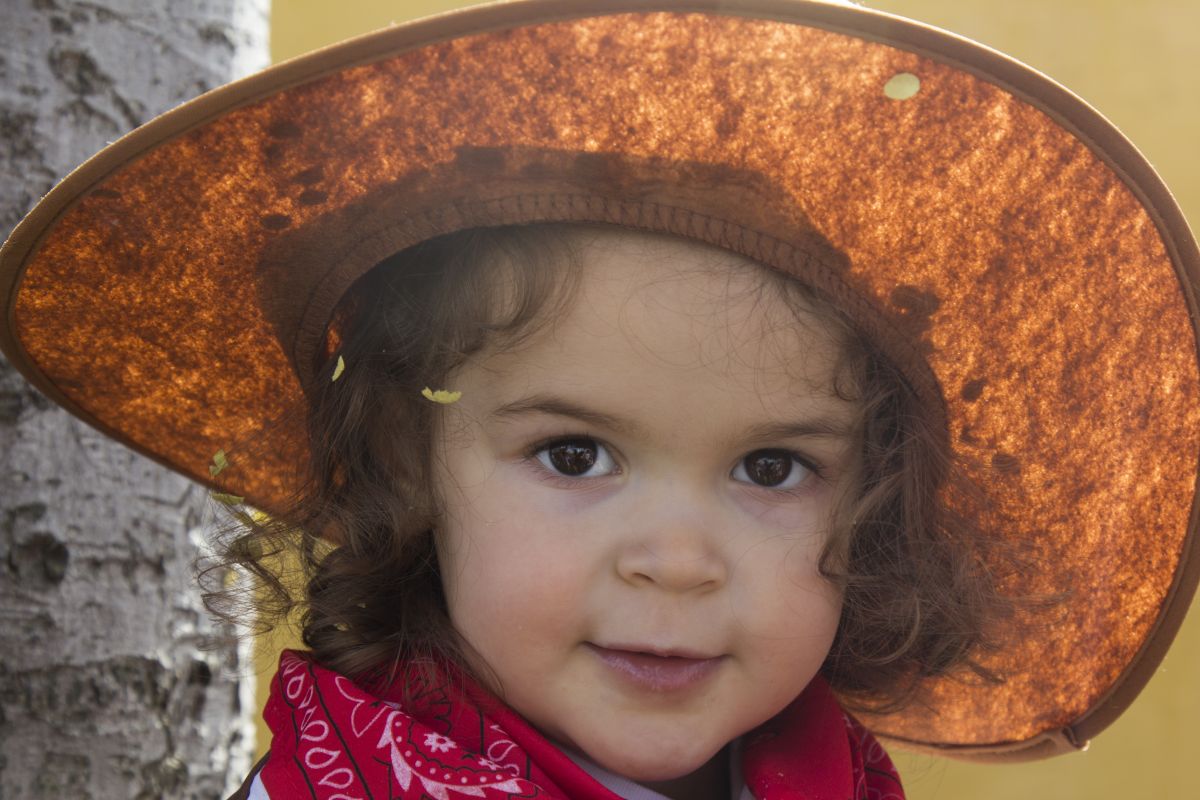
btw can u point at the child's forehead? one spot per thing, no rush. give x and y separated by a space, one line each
673 293
723 301
665 317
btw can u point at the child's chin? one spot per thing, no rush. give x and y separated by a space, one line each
654 763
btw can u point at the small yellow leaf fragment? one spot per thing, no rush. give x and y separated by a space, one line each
338 369
227 499
902 86
441 396
218 464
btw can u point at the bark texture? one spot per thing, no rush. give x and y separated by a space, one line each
113 681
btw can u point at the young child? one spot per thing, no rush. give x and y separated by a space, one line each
634 524
668 379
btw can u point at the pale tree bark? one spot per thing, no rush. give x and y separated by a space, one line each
113 681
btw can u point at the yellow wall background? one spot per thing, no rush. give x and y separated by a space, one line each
1137 62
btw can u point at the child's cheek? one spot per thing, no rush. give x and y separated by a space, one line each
778 587
512 552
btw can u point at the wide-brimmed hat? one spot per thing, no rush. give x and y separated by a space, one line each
1011 251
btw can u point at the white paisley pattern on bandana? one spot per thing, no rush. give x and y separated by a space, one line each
420 761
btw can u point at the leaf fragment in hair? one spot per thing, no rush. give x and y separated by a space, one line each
338 369
442 396
247 548
219 463
228 499
249 517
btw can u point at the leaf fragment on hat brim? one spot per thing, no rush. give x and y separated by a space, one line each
338 369
219 463
902 86
228 499
442 396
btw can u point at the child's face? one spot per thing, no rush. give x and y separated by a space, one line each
632 523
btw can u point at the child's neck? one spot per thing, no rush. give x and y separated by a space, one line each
710 782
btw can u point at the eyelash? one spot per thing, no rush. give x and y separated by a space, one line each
534 455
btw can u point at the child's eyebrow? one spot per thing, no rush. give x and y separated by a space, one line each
547 404
820 426
817 427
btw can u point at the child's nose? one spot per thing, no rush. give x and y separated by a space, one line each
674 550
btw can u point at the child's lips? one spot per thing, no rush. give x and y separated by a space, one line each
657 670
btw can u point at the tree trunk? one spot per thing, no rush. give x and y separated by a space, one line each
113 681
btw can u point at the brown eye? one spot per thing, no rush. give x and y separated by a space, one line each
775 469
577 458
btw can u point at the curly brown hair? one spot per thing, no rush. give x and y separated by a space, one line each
918 600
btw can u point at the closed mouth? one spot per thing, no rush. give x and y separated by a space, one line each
657 669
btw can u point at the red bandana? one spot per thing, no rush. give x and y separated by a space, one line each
336 741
